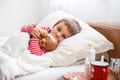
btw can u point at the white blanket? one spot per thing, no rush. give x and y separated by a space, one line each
16 60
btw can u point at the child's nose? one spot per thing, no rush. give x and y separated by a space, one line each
58 34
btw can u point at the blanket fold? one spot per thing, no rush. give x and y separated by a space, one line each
16 60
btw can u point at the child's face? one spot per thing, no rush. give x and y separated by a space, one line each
61 31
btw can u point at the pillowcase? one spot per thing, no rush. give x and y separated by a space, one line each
74 48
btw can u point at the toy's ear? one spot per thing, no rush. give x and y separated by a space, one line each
44 34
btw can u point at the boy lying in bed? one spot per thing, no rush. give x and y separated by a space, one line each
61 30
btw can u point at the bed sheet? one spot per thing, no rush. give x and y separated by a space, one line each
52 73
3 39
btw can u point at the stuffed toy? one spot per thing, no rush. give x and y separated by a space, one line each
48 42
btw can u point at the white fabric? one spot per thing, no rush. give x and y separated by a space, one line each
15 58
52 73
73 48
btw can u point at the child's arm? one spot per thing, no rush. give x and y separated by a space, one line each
35 31
34 47
31 29
40 32
28 28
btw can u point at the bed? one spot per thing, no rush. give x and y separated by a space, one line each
56 73
112 33
58 69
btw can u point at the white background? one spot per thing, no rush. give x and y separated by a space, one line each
16 13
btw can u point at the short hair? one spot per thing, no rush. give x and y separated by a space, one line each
72 24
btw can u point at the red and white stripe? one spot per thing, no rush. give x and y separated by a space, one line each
34 47
78 75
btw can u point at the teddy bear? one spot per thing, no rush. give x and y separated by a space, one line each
48 42
39 46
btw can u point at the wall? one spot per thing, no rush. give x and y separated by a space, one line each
15 13
102 11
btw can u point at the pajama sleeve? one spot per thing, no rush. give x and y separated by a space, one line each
28 28
34 47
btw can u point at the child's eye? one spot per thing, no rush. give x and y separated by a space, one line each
63 36
59 29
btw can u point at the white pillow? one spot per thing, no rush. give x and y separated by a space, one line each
72 49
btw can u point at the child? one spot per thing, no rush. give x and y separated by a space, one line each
63 29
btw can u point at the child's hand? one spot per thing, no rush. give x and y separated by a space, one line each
38 33
43 34
35 32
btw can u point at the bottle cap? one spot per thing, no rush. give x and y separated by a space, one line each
102 58
90 44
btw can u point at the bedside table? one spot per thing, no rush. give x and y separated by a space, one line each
111 76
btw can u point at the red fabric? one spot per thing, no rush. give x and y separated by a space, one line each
71 75
46 28
34 45
28 28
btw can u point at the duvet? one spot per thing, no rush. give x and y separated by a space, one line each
16 60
